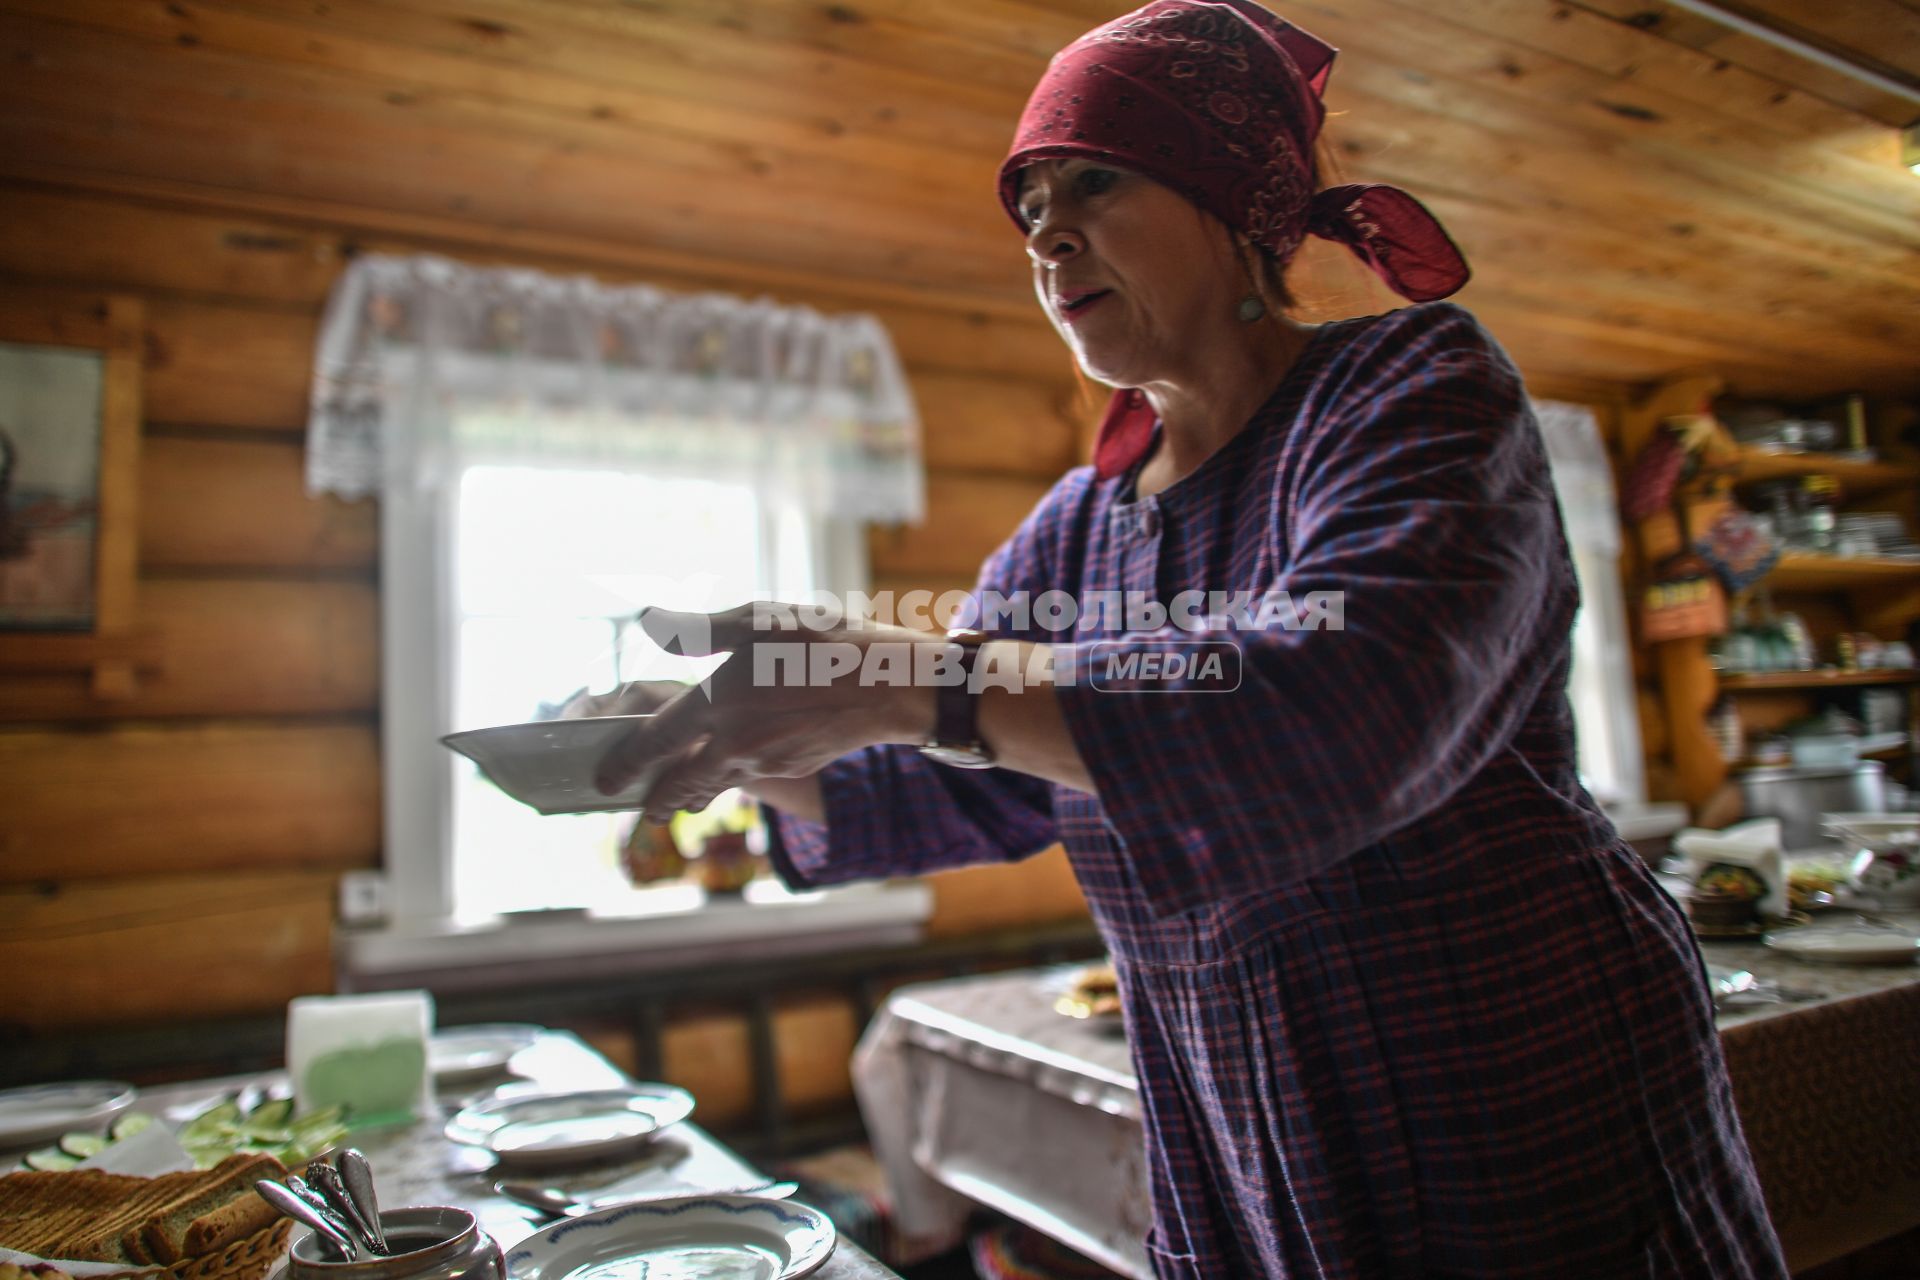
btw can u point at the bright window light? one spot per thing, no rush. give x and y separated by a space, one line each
550 566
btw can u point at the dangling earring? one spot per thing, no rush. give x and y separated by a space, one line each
1251 308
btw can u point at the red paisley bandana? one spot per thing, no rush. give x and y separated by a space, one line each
1220 101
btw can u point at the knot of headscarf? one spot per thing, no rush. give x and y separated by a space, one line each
1220 100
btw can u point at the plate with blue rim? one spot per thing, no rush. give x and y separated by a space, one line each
554 1129
699 1237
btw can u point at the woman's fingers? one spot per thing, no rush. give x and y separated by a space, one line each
693 781
699 634
672 728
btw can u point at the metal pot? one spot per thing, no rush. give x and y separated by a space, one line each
430 1243
1799 796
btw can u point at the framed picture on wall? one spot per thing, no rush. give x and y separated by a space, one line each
50 407
70 368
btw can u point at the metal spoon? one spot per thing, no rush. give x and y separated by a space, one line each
357 1174
555 1201
297 1208
327 1179
320 1205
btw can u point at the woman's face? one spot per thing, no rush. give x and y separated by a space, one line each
1134 277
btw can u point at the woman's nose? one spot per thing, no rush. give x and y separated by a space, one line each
1050 246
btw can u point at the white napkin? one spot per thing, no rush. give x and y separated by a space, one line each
152 1151
1754 844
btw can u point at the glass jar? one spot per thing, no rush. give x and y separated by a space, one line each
1817 517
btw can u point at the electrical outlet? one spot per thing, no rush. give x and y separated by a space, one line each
363 897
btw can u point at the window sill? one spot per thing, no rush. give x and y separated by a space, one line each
766 923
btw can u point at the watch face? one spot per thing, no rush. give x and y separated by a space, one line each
960 757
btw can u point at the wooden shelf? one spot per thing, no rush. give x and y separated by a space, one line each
1800 572
1857 479
1884 751
1815 679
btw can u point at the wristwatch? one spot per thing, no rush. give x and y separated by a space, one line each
956 733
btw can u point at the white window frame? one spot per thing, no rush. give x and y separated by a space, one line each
1603 605
419 621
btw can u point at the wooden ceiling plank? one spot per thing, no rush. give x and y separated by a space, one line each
1763 59
869 36
821 189
1554 105
1444 131
1635 56
1879 31
579 192
615 45
358 37
747 231
1569 87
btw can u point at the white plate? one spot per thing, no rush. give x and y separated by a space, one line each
548 765
465 1053
1873 830
1847 946
42 1112
570 1128
693 1238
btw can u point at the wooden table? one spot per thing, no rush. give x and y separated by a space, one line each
417 1164
975 1091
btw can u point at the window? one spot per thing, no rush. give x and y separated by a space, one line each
549 567
551 452
1600 686
518 585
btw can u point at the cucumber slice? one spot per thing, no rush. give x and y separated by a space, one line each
129 1124
273 1114
324 1121
82 1145
222 1116
51 1160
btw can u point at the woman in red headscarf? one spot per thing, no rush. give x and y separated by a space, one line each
1400 1000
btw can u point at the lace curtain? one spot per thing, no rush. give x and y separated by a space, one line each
426 366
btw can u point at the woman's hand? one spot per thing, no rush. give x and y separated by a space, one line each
634 698
793 696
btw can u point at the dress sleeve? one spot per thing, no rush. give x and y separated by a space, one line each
1420 495
891 811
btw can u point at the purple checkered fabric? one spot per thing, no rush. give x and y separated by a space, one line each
1401 1001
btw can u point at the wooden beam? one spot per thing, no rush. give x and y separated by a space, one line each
243 505
146 799
1694 31
86 955
234 647
967 518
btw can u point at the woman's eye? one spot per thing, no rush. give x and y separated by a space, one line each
1095 181
1087 182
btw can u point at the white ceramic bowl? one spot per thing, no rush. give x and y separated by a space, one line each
548 765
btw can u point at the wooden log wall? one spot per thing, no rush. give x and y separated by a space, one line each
177 854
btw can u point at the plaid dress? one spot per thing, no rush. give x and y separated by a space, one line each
1400 1001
